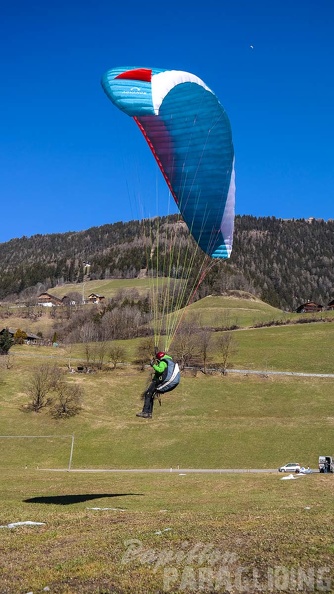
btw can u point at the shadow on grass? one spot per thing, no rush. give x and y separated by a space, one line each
69 499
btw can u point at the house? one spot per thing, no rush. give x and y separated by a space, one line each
309 307
10 331
48 300
331 304
31 338
68 300
95 298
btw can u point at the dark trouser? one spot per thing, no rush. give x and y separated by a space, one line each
149 397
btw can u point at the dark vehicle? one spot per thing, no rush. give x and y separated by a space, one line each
326 464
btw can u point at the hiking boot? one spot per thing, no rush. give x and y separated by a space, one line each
144 415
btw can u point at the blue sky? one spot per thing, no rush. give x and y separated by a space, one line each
69 160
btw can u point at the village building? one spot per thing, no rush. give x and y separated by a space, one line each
309 307
30 337
48 300
95 298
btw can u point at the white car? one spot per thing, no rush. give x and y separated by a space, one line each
290 467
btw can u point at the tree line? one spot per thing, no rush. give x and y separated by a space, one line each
283 262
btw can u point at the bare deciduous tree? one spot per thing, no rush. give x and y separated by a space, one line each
145 352
185 344
7 361
203 342
43 381
67 401
117 354
89 332
108 324
226 347
69 348
101 351
95 353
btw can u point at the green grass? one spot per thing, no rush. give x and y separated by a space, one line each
243 311
232 311
158 526
296 348
211 421
107 288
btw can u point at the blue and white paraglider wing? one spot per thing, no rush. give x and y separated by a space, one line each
189 134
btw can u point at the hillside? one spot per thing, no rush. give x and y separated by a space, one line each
242 309
283 262
102 476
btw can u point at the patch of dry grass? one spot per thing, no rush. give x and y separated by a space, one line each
157 531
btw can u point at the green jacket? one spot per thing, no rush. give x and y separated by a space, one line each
161 366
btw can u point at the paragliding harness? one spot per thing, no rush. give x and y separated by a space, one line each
169 379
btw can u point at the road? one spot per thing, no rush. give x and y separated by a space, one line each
179 471
56 355
292 373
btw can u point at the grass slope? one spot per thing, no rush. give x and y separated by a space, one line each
241 420
250 524
243 310
107 288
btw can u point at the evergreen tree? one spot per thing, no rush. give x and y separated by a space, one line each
6 342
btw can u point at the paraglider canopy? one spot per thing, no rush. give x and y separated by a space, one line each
189 134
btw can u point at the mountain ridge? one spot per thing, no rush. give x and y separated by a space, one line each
283 262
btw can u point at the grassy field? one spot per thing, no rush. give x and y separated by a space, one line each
218 311
237 421
107 288
154 533
108 532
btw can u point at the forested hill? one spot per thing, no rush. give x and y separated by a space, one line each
284 262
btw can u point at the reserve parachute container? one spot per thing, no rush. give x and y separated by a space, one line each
172 378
